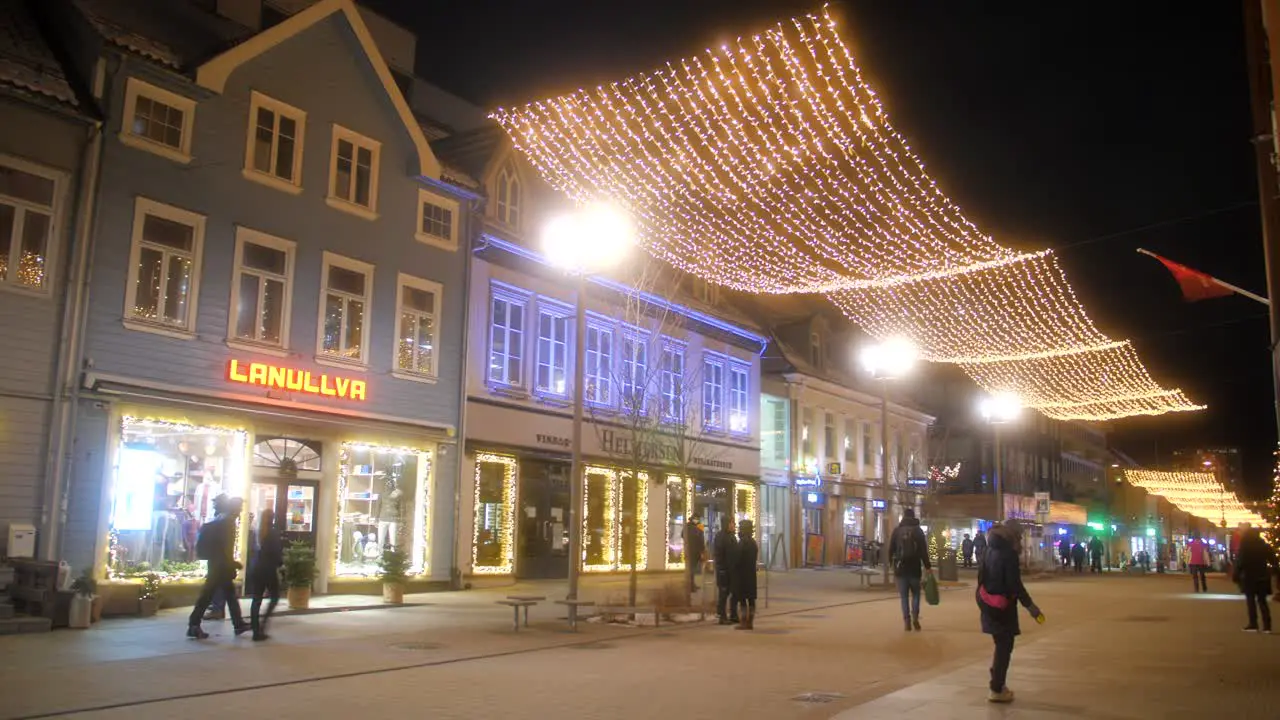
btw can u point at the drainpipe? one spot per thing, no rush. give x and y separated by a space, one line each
67 367
455 571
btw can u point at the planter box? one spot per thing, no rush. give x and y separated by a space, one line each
147 607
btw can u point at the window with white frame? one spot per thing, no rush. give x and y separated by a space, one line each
671 382
553 349
506 337
157 120
164 267
345 298
635 371
28 195
261 289
508 192
418 307
437 220
273 152
739 393
353 172
712 392
598 371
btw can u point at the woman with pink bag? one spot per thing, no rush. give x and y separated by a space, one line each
999 588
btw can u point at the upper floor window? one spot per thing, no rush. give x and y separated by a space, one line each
508 192
816 355
437 221
273 152
344 306
635 372
27 197
671 382
599 367
164 268
157 120
261 288
868 445
418 307
506 338
553 349
705 292
712 392
829 449
353 173
850 446
739 394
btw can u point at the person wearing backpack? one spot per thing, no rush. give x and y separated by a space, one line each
909 557
216 544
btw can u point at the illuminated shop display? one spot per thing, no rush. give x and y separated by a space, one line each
769 165
291 380
493 540
383 503
745 505
679 507
610 512
166 476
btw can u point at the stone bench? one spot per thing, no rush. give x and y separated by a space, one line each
515 606
864 576
573 606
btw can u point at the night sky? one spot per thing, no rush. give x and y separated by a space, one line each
1093 128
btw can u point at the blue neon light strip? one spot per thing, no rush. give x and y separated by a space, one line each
710 320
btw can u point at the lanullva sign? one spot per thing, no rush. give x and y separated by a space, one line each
291 380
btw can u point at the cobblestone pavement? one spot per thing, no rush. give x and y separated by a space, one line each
1114 647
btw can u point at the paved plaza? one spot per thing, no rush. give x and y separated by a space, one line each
1113 647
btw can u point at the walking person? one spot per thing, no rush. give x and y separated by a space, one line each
266 572
724 550
909 557
1255 561
217 544
695 548
1198 559
1095 555
1077 557
999 588
966 550
743 576
979 546
1064 552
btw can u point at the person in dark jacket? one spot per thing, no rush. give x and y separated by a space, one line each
724 550
1095 555
1077 557
966 550
1064 552
221 574
695 548
1255 561
909 558
999 588
743 576
266 572
979 546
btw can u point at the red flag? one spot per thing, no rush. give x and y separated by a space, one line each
1195 284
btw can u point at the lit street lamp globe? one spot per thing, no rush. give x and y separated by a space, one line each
590 239
891 358
1002 407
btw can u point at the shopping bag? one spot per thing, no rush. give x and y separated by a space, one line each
931 589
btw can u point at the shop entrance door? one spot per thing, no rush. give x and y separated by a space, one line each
543 520
294 502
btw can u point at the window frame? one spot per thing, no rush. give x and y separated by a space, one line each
603 328
331 260
450 243
142 207
641 340
134 88
513 297
259 101
404 280
737 367
289 247
52 246
562 312
357 140
503 208
676 349
718 361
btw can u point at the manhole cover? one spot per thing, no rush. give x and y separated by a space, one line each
416 646
817 698
1147 618
592 646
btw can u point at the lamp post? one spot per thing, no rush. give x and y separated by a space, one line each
889 360
589 240
997 410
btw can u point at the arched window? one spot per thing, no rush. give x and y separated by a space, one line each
287 454
508 192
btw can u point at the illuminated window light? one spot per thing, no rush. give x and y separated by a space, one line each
506 522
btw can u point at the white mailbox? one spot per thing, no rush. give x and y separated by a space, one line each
22 540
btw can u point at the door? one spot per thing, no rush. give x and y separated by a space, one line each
543 520
294 503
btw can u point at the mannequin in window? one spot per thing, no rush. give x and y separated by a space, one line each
390 509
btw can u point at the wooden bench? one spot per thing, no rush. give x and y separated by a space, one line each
628 610
573 610
864 576
515 606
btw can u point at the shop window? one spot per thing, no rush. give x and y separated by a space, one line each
27 196
345 301
598 541
382 504
167 475
679 498
287 455
493 544
164 269
262 289
506 337
274 153
553 349
739 396
599 368
745 504
635 372
633 520
353 173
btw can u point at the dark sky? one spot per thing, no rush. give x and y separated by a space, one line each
1092 127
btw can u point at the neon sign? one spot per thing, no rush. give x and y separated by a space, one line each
290 380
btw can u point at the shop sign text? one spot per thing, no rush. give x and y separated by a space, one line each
553 440
290 380
654 451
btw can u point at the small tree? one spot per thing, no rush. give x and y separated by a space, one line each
1270 509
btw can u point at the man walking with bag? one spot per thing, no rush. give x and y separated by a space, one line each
909 557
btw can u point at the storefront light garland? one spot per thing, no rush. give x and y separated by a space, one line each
688 509
769 166
506 520
610 533
420 564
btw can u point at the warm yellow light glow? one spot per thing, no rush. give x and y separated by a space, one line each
590 239
770 166
1195 493
890 359
1001 407
506 521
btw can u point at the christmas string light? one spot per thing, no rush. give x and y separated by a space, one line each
770 166
1196 493
506 520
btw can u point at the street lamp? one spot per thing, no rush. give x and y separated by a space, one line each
999 409
885 361
589 240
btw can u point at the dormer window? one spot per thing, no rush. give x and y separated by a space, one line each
816 355
508 193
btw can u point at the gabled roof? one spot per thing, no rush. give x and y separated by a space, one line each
174 33
28 66
472 151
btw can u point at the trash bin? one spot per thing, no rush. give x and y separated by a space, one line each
948 568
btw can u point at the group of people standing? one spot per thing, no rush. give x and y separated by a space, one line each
735 560
1073 556
216 544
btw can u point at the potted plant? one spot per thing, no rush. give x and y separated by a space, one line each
299 572
85 589
393 571
149 595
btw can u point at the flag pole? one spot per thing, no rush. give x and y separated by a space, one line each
1233 288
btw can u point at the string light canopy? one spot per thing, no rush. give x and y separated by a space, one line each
769 165
1196 493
